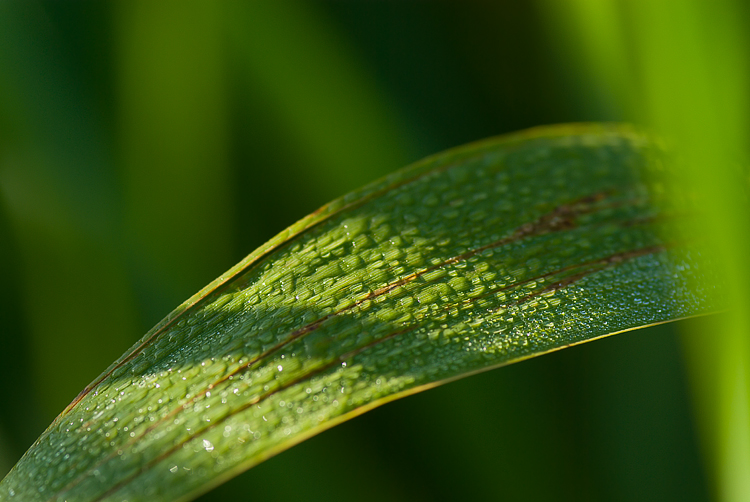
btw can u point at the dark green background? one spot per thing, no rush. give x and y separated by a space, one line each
147 147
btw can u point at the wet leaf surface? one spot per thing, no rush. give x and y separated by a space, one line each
474 258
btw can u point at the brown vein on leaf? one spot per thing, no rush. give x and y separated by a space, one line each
255 261
239 273
560 218
603 264
509 140
301 379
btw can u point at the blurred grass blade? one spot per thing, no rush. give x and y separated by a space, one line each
170 53
696 77
296 61
588 37
60 193
684 69
473 258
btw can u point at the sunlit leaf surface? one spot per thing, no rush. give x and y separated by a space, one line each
474 258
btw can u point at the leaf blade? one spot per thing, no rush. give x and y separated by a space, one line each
474 258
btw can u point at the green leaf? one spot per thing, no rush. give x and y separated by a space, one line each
471 259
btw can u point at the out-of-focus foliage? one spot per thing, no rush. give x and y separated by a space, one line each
146 147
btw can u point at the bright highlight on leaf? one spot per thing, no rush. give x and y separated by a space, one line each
474 258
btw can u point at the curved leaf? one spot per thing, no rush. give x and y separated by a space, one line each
474 258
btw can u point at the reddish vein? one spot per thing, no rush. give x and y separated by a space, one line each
559 219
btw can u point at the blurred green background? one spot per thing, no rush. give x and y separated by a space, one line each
147 146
